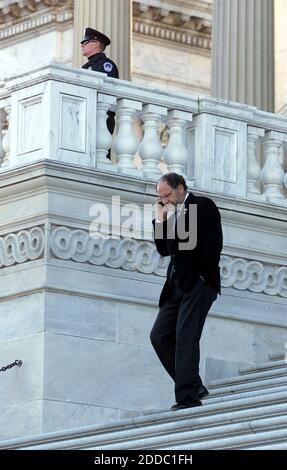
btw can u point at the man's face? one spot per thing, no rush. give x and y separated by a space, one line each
168 195
90 48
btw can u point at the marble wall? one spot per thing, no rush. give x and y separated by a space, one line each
25 55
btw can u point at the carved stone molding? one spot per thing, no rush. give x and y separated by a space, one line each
254 276
132 255
127 254
26 245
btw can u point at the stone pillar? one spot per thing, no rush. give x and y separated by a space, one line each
243 52
111 17
280 56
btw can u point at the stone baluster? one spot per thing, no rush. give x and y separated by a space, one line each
255 134
6 138
272 174
125 144
175 154
103 137
150 149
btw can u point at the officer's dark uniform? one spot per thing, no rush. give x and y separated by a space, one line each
101 63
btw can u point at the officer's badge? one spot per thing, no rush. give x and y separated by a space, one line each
108 67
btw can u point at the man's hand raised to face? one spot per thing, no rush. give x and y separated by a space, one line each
163 212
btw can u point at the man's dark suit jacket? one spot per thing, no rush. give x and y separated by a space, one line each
203 260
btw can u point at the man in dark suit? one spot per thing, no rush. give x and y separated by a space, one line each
93 45
187 228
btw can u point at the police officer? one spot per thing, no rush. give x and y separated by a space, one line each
93 45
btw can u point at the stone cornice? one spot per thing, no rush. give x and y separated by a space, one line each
177 35
191 27
24 17
186 8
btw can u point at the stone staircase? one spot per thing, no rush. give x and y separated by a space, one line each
248 411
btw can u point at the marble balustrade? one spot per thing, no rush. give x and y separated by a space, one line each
59 113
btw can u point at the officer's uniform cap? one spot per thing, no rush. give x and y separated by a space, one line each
93 34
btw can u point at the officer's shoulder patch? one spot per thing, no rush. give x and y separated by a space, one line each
108 67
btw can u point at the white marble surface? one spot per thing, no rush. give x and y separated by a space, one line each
220 154
30 319
168 66
73 115
59 415
17 58
31 130
25 383
135 323
53 121
22 419
222 335
103 373
80 316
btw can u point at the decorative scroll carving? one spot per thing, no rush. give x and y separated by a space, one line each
132 255
127 254
254 276
26 245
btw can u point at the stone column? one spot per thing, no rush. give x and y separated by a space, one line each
243 52
280 15
113 18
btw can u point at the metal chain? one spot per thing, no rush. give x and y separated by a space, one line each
15 363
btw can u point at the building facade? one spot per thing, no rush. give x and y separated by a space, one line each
77 309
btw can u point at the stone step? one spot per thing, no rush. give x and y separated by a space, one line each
266 366
277 356
243 412
269 438
279 446
193 435
282 371
125 439
247 386
236 392
244 394
161 423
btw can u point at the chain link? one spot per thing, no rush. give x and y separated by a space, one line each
15 363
